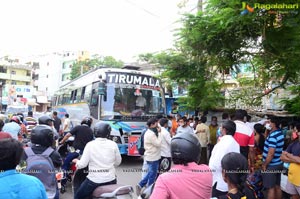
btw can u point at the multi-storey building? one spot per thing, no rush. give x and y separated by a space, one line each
15 83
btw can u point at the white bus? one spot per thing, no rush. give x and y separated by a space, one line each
124 98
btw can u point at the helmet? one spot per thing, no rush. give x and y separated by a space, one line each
45 119
21 116
185 147
43 135
87 120
102 130
15 119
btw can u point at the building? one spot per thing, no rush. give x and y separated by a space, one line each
53 70
15 83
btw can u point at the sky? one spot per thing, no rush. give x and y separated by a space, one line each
119 28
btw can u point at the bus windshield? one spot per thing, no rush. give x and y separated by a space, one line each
129 102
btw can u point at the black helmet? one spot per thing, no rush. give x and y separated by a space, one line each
185 148
21 116
42 135
87 120
45 119
102 130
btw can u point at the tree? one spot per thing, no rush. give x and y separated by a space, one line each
223 37
81 67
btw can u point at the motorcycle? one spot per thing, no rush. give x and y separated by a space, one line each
63 150
113 191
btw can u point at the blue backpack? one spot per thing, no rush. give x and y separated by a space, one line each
41 166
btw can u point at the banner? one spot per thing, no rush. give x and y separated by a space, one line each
132 145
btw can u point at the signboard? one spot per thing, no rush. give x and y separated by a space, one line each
132 145
143 81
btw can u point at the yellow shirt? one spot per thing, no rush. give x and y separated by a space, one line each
294 173
213 134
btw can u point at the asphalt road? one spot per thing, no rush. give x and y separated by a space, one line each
128 173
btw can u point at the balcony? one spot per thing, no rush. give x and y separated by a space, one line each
22 78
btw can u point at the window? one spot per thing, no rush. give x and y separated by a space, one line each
27 83
13 72
3 69
28 73
13 82
87 93
82 93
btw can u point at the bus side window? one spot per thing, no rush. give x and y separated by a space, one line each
82 94
71 97
75 96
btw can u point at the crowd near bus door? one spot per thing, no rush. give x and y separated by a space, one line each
101 91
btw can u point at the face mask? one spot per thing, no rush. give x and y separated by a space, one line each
214 123
154 130
268 126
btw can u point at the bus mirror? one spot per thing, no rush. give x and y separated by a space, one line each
101 88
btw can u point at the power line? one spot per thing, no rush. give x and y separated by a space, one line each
142 8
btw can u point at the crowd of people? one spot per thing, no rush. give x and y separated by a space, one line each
239 157
184 157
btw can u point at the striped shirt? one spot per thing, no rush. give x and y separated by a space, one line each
274 140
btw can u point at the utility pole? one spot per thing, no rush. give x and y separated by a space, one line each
200 5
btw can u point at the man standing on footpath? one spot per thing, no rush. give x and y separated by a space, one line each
272 165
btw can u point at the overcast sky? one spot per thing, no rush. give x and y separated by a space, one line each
120 28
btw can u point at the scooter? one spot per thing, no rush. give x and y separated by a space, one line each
113 191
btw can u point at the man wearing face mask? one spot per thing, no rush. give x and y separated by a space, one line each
152 145
183 126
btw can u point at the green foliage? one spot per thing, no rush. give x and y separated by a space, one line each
292 104
220 39
82 67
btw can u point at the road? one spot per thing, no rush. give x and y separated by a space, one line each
128 173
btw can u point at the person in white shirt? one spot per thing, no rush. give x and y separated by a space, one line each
226 145
152 145
165 160
101 156
140 102
67 124
183 126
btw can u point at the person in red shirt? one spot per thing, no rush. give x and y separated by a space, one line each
244 135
